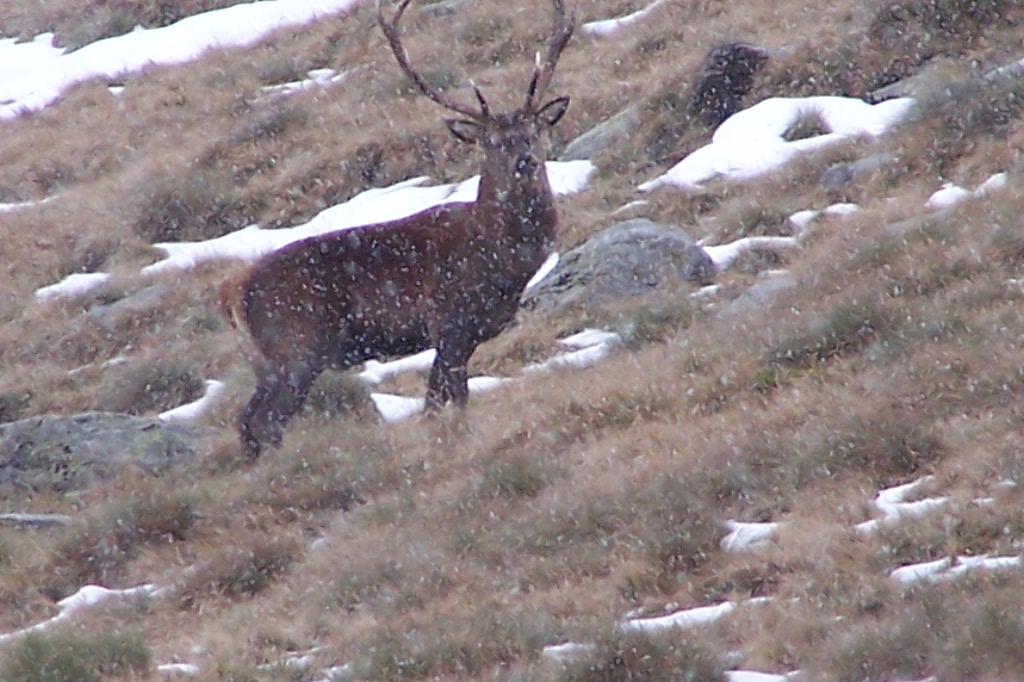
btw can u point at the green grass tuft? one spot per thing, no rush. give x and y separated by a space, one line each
75 657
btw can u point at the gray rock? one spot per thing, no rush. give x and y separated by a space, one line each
843 174
760 294
619 127
140 302
627 259
70 453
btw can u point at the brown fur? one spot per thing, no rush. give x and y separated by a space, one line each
448 277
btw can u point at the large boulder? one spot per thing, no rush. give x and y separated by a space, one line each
70 453
627 259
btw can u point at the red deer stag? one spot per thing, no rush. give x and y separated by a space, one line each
448 277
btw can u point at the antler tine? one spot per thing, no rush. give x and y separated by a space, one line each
561 31
390 29
485 110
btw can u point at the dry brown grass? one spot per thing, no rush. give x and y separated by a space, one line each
459 547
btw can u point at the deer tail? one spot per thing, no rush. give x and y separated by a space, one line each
229 299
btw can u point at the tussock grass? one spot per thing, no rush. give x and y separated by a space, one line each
846 329
69 656
460 546
99 546
933 632
619 657
151 384
241 569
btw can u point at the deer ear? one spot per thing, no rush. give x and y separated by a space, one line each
552 112
467 131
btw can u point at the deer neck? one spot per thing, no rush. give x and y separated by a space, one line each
523 210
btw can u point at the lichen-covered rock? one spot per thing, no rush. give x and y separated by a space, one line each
629 258
70 453
619 127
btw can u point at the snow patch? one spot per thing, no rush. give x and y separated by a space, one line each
52 72
85 598
607 27
371 207
195 409
76 284
748 536
750 142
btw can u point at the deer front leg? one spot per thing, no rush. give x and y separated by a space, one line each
449 377
254 424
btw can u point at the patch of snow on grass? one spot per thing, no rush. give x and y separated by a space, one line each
75 284
197 408
584 357
754 676
607 27
318 78
48 76
801 220
375 372
593 345
371 207
951 568
701 615
890 502
336 673
750 142
396 408
14 55
85 598
568 651
747 536
178 669
950 194
10 208
20 519
724 255
589 337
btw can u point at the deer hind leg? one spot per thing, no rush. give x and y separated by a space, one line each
280 392
254 425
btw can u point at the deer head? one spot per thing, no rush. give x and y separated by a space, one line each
510 139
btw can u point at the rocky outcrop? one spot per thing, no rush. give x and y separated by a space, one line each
726 76
627 259
70 453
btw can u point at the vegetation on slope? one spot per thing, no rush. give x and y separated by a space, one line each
460 547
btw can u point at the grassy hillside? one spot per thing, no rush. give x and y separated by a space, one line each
458 548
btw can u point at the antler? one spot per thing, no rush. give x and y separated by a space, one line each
561 31
390 29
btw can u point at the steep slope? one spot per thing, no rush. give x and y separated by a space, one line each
813 465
